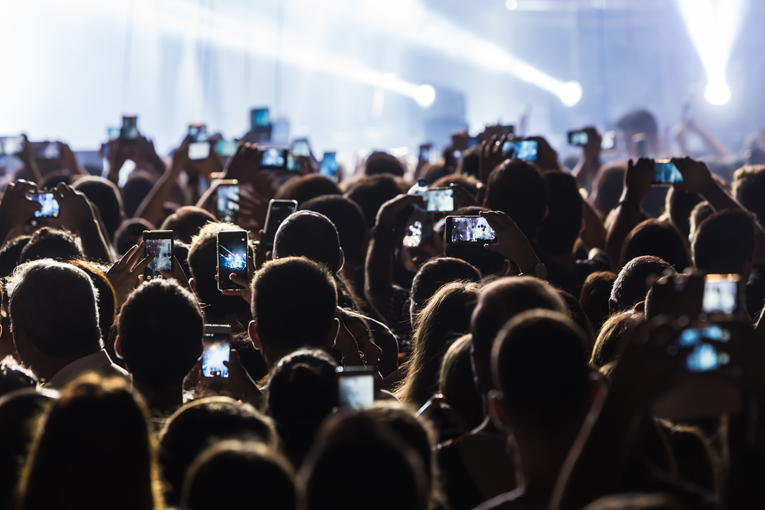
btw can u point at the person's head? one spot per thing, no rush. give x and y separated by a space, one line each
307 187
471 161
433 275
159 334
631 285
724 243
103 430
357 462
14 377
302 392
701 212
610 341
445 317
542 380
560 228
129 234
203 263
749 188
54 318
105 195
679 205
577 316
596 292
137 187
608 185
659 238
199 424
107 298
432 172
383 163
635 122
456 383
11 253
49 243
499 302
293 306
693 455
469 182
186 222
240 474
486 261
371 192
348 218
312 235
516 187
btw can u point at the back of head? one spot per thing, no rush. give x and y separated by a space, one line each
293 305
749 188
307 187
638 121
436 273
539 363
105 195
357 460
486 261
724 242
103 431
236 474
107 298
631 285
129 234
608 185
11 253
517 188
560 228
54 305
596 292
186 222
456 383
610 341
137 187
160 333
679 205
383 163
49 243
203 263
658 238
701 212
347 217
371 192
471 161
311 235
302 392
195 426
577 316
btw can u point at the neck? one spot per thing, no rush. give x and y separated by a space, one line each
162 400
49 367
539 460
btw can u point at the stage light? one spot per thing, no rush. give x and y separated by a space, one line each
511 5
570 93
717 93
425 95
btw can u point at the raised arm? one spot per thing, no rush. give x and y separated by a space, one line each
77 215
151 207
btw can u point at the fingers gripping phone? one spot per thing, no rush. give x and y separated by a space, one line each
217 349
278 211
356 387
469 230
160 244
227 200
232 258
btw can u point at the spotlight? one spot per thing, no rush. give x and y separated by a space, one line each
717 93
511 5
570 93
425 95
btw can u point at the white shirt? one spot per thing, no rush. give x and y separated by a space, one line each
98 362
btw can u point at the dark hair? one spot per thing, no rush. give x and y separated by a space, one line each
749 188
659 238
136 189
701 212
197 425
240 474
307 187
539 363
383 163
456 383
105 195
160 333
679 205
486 261
724 242
302 392
610 341
14 377
308 234
471 161
347 217
129 234
609 184
49 243
103 431
54 304
560 229
638 121
371 192
577 316
516 187
596 292
107 298
436 273
11 253
293 304
631 284
186 222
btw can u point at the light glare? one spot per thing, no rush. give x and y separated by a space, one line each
425 95
570 93
511 5
717 93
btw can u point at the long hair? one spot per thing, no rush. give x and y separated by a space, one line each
445 318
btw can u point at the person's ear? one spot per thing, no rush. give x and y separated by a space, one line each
333 331
118 347
340 261
252 331
497 409
505 268
193 286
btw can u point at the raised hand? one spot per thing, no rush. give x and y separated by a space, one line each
637 180
124 274
696 175
16 207
511 242
491 156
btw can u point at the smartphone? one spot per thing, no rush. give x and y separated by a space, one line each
578 138
46 150
522 149
228 200
706 344
11 145
356 387
474 140
469 230
278 211
198 132
129 130
301 147
232 258
260 118
217 349
424 154
665 172
225 148
295 163
329 165
274 159
113 133
48 202
608 141
721 293
418 230
160 244
507 130
438 200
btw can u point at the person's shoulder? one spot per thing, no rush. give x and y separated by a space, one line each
513 500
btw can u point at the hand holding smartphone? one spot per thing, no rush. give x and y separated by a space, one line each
160 244
232 258
217 350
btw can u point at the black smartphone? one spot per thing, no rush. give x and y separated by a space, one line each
199 147
158 243
217 349
129 131
278 211
469 230
425 150
665 172
522 149
707 344
329 165
722 293
356 387
260 118
301 147
438 200
232 258
47 200
11 145
274 159
227 195
578 138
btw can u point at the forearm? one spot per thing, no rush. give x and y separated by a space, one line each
94 244
627 217
151 207
585 171
717 148
378 270
594 233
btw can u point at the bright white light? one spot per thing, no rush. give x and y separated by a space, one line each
713 26
511 5
425 95
570 93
